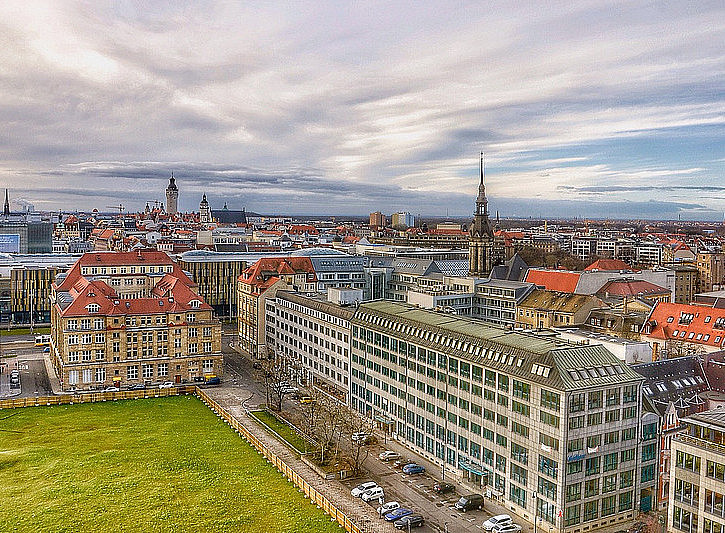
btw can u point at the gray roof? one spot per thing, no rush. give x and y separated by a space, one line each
318 303
714 418
550 362
338 263
680 381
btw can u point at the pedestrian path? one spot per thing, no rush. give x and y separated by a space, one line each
362 514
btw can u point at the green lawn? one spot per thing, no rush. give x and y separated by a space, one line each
166 464
23 331
283 430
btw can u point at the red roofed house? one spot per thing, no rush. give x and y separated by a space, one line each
261 281
635 288
608 265
684 329
124 318
554 280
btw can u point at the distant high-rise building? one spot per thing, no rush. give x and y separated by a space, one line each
377 219
402 220
172 196
6 208
204 211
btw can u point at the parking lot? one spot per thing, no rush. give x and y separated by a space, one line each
416 493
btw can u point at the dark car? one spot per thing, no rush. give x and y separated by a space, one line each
213 381
469 502
441 487
400 512
412 520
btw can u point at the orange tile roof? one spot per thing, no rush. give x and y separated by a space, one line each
554 280
608 265
630 287
688 323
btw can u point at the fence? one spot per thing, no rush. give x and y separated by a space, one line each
67 399
90 397
315 496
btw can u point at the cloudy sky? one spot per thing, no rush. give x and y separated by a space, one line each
584 108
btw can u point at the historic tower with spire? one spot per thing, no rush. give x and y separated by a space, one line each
172 196
204 211
480 244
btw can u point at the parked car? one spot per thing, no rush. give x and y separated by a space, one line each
412 520
400 463
373 494
413 468
387 507
137 386
389 455
289 390
167 385
441 487
507 528
213 380
306 399
46 349
257 365
498 520
400 512
362 438
362 487
469 502
111 389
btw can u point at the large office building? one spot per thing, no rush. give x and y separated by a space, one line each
123 318
697 476
314 334
553 429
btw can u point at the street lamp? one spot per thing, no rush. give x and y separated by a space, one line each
536 509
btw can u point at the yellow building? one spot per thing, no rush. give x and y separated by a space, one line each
550 309
127 318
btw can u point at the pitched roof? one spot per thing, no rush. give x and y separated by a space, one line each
554 280
689 323
563 302
608 265
550 362
632 287
680 381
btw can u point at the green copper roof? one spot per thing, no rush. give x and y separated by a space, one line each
551 362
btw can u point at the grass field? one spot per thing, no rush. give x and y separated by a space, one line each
166 464
23 331
283 430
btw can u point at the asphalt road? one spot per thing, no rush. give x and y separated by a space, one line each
21 353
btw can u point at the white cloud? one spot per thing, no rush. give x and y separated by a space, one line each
387 93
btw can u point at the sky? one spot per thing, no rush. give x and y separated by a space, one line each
601 109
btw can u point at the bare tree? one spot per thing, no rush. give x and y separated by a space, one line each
356 424
275 376
329 424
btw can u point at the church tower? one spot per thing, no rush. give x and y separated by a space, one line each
204 211
172 196
481 241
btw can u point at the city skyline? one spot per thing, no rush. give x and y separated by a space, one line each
595 110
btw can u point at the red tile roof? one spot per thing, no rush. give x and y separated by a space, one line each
608 265
554 280
173 293
143 257
689 323
266 271
630 287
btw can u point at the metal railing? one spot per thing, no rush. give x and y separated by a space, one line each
91 397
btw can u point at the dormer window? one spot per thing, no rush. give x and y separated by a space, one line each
93 308
194 304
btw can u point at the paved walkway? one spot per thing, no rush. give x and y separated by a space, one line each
359 512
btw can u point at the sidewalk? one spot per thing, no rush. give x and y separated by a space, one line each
360 513
52 377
